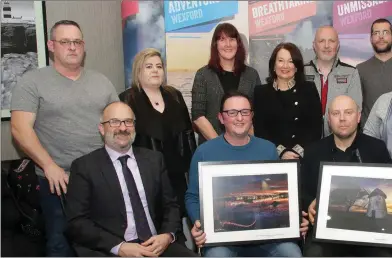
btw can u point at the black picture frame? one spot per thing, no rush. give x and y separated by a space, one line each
18 27
219 236
350 175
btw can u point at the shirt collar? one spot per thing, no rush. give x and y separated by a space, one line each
335 63
114 155
290 84
354 145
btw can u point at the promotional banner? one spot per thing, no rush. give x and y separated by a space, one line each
267 17
182 14
354 17
143 27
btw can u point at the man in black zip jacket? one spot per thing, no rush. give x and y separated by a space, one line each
345 144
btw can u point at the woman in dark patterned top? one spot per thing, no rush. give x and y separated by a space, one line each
226 70
162 119
287 110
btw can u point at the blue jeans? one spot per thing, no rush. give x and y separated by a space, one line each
56 243
282 249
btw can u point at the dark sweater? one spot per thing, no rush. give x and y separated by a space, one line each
229 81
288 117
371 150
376 78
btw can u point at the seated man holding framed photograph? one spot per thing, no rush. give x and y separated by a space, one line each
235 144
345 144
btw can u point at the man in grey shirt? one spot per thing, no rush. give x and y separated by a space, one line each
55 113
376 73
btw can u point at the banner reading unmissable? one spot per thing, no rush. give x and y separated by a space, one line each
354 17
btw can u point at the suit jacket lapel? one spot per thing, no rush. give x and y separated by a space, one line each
146 175
110 175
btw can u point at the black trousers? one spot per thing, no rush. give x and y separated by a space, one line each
173 250
179 186
176 249
323 249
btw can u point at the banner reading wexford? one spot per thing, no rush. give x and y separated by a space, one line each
355 17
182 14
270 15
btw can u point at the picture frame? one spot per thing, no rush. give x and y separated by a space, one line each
354 204
23 45
249 201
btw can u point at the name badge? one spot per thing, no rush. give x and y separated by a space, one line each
341 79
309 77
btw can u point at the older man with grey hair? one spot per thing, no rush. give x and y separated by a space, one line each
331 76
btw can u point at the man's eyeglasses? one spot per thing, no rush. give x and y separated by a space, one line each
234 112
383 33
117 122
68 43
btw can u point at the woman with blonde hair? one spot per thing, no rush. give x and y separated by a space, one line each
162 119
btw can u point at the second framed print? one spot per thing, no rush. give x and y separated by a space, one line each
249 201
355 204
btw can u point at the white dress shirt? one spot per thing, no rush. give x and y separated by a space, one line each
130 231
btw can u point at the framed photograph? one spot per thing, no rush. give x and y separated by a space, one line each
354 204
23 45
252 201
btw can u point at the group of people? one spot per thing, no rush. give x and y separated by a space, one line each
122 160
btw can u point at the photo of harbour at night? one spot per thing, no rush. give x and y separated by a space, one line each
250 202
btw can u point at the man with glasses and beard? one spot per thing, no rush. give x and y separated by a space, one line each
376 73
120 200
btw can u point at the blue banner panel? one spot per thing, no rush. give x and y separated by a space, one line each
182 14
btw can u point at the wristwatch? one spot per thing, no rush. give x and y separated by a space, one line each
174 237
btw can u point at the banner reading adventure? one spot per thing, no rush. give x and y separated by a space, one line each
182 14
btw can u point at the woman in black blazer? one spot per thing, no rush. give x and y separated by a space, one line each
162 119
287 110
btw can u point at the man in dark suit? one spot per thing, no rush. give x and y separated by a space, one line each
119 199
